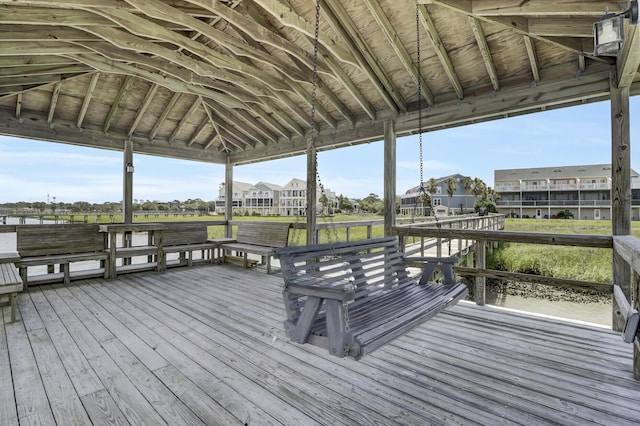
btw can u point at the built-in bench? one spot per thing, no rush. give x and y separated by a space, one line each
185 239
10 281
120 246
43 245
261 238
354 297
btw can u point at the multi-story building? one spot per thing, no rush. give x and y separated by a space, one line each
583 192
263 198
461 201
240 190
270 199
293 198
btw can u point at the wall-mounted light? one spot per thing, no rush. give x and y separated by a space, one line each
608 32
129 168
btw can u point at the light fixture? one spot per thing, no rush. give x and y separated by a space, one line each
608 32
130 168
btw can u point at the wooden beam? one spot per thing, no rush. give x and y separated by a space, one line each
510 100
286 16
127 182
163 116
115 106
198 131
432 32
389 176
66 132
561 27
394 40
143 108
55 95
342 23
185 119
533 57
18 105
513 18
544 8
620 188
629 59
87 99
478 32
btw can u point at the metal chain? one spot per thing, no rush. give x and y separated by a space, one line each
419 98
312 120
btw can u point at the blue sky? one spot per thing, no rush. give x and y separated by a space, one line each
33 170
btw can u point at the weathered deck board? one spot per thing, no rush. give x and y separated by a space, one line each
205 345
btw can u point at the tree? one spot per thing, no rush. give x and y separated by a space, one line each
432 189
466 184
452 187
345 204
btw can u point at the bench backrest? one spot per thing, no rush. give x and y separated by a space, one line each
42 240
371 266
271 234
184 233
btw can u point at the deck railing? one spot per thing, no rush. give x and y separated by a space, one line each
628 247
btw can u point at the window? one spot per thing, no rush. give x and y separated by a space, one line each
437 202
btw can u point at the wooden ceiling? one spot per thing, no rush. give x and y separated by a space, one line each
215 80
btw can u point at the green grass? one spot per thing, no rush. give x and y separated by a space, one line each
580 263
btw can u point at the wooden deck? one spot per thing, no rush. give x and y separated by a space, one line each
204 345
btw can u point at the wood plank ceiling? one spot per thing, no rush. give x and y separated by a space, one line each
215 80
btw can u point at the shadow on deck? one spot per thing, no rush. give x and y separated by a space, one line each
205 345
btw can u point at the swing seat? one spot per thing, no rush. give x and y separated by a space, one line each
354 297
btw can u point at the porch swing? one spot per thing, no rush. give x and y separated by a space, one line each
353 297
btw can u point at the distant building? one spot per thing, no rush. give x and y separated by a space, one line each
461 201
240 189
268 199
543 192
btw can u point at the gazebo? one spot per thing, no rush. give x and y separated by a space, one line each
234 81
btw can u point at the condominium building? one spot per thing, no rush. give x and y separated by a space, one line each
267 199
461 201
581 192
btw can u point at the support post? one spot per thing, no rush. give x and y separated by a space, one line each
228 197
481 263
311 193
127 179
620 189
389 176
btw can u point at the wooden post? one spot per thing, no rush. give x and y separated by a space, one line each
311 194
479 290
389 176
620 189
127 179
228 196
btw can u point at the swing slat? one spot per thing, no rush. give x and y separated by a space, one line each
354 297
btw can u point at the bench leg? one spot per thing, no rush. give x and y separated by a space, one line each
336 328
268 264
23 275
64 268
12 300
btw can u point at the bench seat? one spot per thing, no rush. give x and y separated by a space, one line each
261 238
354 297
43 245
10 284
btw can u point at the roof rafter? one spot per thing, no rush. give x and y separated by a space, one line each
432 32
124 88
476 27
87 99
399 48
343 25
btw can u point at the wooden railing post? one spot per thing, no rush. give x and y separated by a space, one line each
480 287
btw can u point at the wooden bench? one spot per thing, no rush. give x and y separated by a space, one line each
354 297
186 238
153 247
51 245
10 281
261 238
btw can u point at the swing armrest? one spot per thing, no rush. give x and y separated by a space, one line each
429 266
341 293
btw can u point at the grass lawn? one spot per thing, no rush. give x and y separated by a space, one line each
589 264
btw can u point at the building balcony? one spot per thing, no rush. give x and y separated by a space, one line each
558 203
